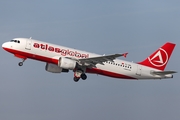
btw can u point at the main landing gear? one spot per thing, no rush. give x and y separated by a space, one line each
83 76
79 74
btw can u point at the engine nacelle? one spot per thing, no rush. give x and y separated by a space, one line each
67 63
54 68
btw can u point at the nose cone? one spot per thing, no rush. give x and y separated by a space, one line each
4 45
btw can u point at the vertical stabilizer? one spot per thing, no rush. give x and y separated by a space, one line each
160 57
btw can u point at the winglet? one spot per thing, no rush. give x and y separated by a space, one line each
125 54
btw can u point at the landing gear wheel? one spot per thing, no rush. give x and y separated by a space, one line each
83 76
20 63
76 79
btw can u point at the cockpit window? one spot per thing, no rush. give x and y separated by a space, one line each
16 41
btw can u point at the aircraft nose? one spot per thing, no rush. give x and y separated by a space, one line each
4 45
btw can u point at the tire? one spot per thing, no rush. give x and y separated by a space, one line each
83 76
20 63
76 79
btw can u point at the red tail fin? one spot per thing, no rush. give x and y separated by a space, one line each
160 58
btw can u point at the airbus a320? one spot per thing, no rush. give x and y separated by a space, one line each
60 59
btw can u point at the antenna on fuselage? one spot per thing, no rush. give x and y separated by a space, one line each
30 38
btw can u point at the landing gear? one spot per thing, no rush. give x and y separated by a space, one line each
79 74
83 76
76 79
20 63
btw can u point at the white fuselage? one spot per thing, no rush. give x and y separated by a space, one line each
50 53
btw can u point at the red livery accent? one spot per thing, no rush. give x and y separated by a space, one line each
125 55
36 45
32 56
61 59
20 56
55 61
63 52
160 58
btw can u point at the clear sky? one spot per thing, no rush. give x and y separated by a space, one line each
138 27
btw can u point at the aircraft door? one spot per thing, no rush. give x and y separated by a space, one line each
139 69
28 44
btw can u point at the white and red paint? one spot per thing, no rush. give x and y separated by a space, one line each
50 53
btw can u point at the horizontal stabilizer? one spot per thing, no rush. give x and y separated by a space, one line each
163 72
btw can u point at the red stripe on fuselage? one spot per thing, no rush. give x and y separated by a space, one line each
32 56
55 61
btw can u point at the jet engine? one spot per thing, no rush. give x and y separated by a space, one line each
66 63
54 68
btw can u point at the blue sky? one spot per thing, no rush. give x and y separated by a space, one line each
104 27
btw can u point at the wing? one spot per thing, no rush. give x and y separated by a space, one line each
91 62
163 72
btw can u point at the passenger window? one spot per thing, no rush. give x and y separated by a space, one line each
18 41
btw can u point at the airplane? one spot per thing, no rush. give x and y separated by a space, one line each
62 59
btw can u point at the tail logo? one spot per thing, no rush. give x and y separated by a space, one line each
159 59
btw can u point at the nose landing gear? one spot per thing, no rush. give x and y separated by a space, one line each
21 63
